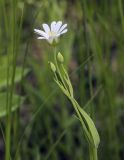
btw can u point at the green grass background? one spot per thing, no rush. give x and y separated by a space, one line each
45 126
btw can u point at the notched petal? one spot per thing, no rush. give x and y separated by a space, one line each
46 28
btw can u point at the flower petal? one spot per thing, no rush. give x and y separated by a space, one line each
58 25
46 28
62 28
53 26
41 33
41 38
64 31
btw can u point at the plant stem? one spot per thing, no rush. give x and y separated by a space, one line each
58 70
120 6
93 153
11 79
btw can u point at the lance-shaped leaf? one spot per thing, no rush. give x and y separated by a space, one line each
90 124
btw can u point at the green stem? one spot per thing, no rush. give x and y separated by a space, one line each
8 127
10 90
121 13
93 153
58 70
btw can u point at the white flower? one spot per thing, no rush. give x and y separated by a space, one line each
52 33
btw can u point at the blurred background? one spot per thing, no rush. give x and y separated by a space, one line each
93 47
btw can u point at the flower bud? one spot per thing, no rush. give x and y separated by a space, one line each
60 58
52 66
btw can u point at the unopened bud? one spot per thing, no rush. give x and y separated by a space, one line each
52 66
60 57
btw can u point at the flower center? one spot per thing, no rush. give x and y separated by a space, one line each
52 34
